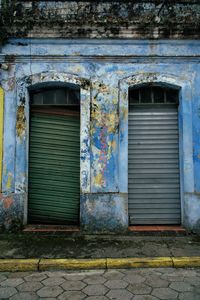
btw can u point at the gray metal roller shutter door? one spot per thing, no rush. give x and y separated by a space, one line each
153 165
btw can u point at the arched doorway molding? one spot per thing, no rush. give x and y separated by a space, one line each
185 127
22 126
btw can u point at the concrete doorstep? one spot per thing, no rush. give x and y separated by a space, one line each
36 264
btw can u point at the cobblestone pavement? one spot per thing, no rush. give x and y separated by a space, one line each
136 284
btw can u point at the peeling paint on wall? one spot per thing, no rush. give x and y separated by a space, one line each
21 121
104 129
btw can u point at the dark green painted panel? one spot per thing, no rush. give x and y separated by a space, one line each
54 169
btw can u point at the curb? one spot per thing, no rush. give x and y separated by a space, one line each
47 264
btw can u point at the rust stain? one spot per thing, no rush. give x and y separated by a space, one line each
7 202
21 121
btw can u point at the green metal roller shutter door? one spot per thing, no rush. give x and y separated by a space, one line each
54 169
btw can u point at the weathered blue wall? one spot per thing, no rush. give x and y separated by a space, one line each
109 68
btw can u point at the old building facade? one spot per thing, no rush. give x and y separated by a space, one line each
100 114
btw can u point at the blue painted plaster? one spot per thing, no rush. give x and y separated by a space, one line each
109 68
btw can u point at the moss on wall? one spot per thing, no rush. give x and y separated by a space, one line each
100 19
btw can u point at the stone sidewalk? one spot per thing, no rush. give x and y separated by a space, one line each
54 245
136 284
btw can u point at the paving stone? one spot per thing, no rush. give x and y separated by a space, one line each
156 281
53 281
146 284
185 272
50 291
112 274
30 286
120 294
69 295
25 296
47 298
116 284
164 293
55 273
73 285
95 290
181 286
2 278
93 272
143 297
149 271
18 274
172 277
36 277
139 289
134 278
194 280
188 296
94 279
74 276
12 282
165 270
6 292
97 298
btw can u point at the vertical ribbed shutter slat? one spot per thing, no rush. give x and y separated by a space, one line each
54 168
153 165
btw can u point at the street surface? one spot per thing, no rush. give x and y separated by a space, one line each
136 284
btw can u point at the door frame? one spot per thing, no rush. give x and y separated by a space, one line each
22 127
185 130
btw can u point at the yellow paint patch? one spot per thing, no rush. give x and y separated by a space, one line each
98 179
111 122
112 145
9 182
13 265
72 264
150 262
1 131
